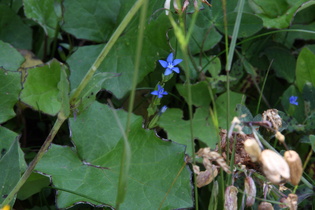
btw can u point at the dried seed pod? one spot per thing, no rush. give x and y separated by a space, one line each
295 164
252 148
272 116
274 167
214 156
280 137
196 169
290 202
265 206
293 201
250 191
206 177
230 198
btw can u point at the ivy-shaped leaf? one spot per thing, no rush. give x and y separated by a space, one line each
158 176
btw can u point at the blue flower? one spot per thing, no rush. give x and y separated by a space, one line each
293 100
170 64
160 92
163 109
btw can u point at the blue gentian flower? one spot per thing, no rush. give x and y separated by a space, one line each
160 92
163 109
293 100
170 64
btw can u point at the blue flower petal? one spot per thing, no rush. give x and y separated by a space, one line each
164 64
176 69
177 61
170 58
293 101
155 93
167 72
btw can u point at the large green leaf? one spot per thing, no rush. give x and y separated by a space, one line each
9 93
276 14
199 91
42 86
92 20
88 95
158 177
122 57
283 62
34 184
46 14
15 5
222 104
178 130
305 68
204 35
13 30
10 58
250 24
7 138
10 170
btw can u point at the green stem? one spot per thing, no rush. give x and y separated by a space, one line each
37 158
137 62
105 51
126 154
183 39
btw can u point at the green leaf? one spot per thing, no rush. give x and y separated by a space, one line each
178 130
243 110
250 24
7 138
10 172
309 98
276 14
88 95
204 35
15 5
10 58
13 30
42 86
91 20
91 172
221 104
44 14
121 59
312 141
64 90
215 67
9 93
34 184
199 92
283 62
305 68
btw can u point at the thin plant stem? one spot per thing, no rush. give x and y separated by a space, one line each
183 40
126 154
222 182
60 120
137 62
229 63
124 163
105 51
262 88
